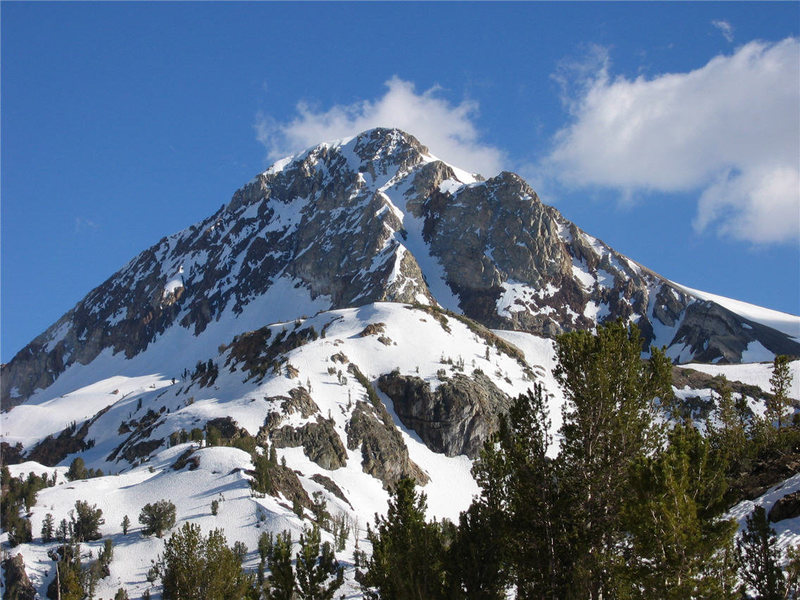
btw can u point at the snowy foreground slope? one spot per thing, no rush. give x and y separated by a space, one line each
415 341
377 338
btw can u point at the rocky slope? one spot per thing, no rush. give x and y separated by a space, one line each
377 218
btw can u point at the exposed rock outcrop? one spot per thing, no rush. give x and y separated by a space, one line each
455 418
319 440
383 453
787 507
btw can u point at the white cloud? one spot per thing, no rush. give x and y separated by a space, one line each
448 130
725 28
729 131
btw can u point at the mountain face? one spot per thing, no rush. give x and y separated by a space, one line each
378 218
349 312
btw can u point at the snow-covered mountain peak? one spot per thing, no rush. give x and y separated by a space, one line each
372 218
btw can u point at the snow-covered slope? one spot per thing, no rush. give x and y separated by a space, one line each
378 339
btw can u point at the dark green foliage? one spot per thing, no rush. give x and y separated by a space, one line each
214 507
196 434
262 477
780 383
475 565
281 578
121 594
318 572
77 470
319 508
48 528
126 523
518 507
729 436
679 545
213 436
617 514
792 572
197 568
71 582
759 557
157 517
362 379
265 543
407 552
86 521
607 424
18 496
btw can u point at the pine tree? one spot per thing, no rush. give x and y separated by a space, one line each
518 508
262 478
728 436
610 394
759 558
678 544
196 568
318 575
86 521
157 517
407 552
780 383
793 572
475 564
281 577
48 528
77 470
126 523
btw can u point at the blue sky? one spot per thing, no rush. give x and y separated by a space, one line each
670 131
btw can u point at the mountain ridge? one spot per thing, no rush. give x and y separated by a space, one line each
372 218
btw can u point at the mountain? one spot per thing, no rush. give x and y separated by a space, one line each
367 311
378 218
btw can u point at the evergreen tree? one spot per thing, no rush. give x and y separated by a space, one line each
77 470
407 552
126 523
518 508
318 575
281 577
780 384
610 394
86 521
48 528
678 544
728 435
262 478
759 558
157 517
197 568
475 568
793 573
69 583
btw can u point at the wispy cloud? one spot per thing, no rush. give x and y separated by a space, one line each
83 224
728 131
725 28
448 129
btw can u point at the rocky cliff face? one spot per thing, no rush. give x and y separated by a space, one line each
377 218
455 418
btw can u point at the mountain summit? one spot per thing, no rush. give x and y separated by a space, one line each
374 218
